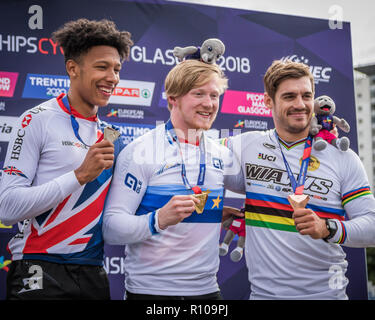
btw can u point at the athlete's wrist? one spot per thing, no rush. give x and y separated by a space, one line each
81 177
161 224
325 231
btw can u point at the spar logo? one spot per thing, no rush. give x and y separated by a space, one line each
126 92
245 103
8 82
320 73
132 92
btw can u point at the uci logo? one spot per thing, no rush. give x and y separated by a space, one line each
266 157
132 183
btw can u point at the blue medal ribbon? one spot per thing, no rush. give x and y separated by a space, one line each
298 185
172 138
74 122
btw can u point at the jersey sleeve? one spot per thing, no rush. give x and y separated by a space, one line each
19 199
358 229
234 179
120 224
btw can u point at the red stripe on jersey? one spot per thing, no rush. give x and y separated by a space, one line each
329 215
57 211
99 136
268 204
81 240
287 207
41 243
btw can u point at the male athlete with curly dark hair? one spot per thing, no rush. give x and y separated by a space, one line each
57 173
77 37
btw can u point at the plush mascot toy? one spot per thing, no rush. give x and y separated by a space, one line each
210 51
235 226
324 121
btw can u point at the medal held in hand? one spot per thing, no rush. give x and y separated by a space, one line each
202 196
111 134
298 200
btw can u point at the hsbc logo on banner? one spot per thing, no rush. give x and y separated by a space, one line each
129 92
320 73
8 82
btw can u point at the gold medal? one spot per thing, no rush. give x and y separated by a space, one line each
202 197
111 134
298 201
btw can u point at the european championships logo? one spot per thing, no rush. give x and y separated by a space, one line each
4 264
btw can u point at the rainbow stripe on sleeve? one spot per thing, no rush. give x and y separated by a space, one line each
268 211
354 194
343 234
224 142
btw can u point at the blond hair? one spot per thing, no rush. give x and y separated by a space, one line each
190 74
282 70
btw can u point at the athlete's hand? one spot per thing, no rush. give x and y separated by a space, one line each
307 222
177 209
229 214
99 157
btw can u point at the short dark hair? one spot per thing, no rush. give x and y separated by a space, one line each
77 37
281 70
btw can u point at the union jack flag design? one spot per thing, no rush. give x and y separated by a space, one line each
58 220
71 231
13 171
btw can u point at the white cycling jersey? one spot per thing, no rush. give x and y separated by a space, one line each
183 259
282 263
59 220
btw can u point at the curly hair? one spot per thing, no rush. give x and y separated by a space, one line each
77 37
